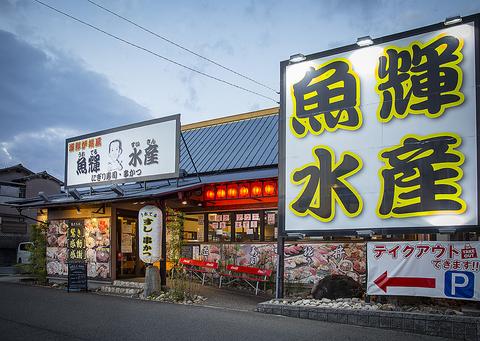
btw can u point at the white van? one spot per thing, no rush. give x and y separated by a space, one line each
23 255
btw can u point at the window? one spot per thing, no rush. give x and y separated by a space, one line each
219 227
193 228
247 226
271 225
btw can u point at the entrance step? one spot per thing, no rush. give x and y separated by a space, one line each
128 284
122 288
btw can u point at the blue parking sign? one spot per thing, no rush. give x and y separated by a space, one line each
459 284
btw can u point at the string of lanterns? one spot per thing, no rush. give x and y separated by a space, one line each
242 190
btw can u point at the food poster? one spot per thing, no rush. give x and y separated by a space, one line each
304 263
57 248
97 237
94 246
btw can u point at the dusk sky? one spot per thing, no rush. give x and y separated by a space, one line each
59 78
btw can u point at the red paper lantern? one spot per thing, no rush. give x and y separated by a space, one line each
232 191
244 191
269 189
210 194
257 189
221 192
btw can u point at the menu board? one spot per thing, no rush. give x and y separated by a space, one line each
76 240
77 276
127 243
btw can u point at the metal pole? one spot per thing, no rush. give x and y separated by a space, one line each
163 261
280 266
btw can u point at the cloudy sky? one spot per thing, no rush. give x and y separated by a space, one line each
59 79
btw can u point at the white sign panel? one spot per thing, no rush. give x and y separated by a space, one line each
431 269
138 152
150 234
383 136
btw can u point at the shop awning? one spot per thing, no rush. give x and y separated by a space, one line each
144 191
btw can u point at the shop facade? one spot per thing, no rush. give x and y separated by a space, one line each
228 195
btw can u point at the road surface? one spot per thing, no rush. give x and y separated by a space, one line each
38 313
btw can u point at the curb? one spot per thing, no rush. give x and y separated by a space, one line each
456 327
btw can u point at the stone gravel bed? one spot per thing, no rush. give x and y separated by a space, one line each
358 304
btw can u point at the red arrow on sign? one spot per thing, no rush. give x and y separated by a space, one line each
383 282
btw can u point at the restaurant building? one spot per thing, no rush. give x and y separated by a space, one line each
227 190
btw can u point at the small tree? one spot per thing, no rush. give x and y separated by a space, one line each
38 259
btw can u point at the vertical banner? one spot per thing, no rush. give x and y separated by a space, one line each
430 269
76 240
150 234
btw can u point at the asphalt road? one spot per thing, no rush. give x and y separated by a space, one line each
37 313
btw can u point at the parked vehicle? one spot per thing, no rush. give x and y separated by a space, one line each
23 253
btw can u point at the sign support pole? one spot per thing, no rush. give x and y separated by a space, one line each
163 260
280 266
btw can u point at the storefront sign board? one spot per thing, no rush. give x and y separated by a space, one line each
138 152
430 269
384 136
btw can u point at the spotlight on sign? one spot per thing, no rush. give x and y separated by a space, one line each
452 20
75 194
296 58
115 188
364 41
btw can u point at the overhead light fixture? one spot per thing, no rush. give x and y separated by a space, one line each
452 20
296 58
75 194
447 230
364 41
43 196
296 235
184 202
365 233
199 204
115 188
101 210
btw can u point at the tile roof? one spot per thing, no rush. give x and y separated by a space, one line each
247 143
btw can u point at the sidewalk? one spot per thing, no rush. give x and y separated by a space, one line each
221 298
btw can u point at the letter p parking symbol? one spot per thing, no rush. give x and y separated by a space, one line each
460 284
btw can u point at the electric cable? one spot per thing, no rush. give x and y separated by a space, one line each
180 46
154 53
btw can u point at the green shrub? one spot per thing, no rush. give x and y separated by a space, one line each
38 259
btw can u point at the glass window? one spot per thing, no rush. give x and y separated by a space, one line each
193 230
271 225
247 226
219 227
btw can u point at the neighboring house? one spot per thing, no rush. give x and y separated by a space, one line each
20 182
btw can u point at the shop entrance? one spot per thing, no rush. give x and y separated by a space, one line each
128 260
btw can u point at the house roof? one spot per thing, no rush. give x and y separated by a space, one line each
16 168
40 175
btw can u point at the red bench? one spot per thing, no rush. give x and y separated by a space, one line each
246 273
199 268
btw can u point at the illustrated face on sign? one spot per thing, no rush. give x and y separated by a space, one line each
115 149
